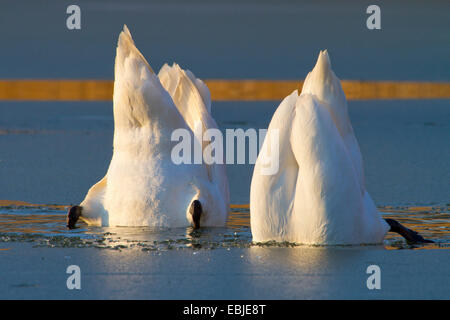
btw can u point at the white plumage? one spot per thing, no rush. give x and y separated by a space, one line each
143 187
318 195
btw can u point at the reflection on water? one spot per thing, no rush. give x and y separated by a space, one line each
44 225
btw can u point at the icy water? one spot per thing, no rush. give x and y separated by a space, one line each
404 146
45 226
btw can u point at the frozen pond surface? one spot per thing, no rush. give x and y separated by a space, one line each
53 152
239 273
214 263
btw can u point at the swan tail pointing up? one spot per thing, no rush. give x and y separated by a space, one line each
143 185
193 100
348 216
318 195
328 204
186 96
323 84
139 98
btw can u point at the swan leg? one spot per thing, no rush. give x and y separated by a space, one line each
411 236
73 215
196 211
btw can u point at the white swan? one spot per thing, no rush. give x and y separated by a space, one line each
318 195
143 187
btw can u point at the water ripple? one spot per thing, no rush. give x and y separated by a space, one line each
44 225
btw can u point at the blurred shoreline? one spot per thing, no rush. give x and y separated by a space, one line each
221 90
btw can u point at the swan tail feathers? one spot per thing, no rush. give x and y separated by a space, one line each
139 98
326 87
126 48
193 100
190 95
202 89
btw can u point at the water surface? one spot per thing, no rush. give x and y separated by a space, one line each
45 226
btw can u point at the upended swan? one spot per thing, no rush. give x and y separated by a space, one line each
143 186
318 195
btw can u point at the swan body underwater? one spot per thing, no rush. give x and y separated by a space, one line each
143 186
318 195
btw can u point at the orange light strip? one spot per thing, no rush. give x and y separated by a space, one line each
221 90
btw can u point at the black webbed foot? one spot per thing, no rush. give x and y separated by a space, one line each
411 236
